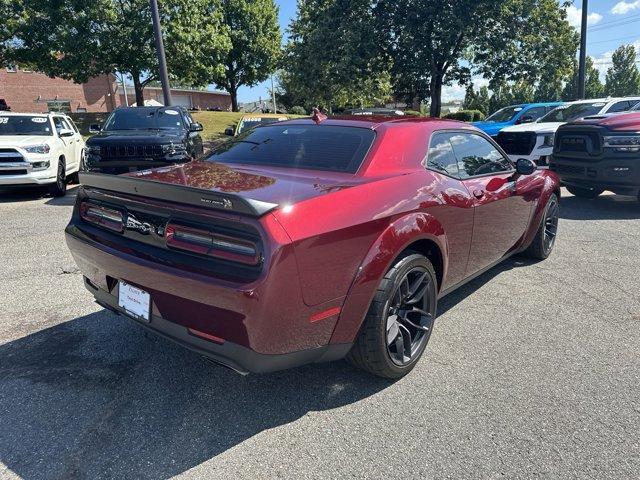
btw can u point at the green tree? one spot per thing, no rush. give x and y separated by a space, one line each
334 57
255 38
477 100
437 42
593 88
79 40
623 77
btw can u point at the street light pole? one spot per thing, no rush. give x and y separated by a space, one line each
162 61
582 72
273 96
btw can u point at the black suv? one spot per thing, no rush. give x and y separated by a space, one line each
137 138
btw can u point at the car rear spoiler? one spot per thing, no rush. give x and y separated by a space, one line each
176 193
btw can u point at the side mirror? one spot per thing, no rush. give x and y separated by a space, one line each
229 131
95 128
195 127
525 167
65 132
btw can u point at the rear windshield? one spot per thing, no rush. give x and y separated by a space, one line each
315 147
25 125
144 119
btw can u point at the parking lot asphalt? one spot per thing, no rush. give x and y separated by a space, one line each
533 371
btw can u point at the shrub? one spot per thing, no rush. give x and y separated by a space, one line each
297 110
466 115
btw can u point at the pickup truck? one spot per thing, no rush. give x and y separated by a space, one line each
599 153
534 141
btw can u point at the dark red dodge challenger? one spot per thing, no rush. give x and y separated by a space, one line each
311 240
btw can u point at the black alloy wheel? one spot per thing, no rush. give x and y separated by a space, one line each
545 239
409 322
400 320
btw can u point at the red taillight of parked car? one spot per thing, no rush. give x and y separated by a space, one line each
103 216
205 242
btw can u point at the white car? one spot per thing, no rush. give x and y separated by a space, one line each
39 149
534 141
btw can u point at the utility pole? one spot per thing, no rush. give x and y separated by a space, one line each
162 61
273 96
582 72
124 89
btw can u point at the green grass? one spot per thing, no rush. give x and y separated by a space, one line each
215 123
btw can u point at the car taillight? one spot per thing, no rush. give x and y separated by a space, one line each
213 244
105 217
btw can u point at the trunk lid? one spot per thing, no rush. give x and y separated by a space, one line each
266 185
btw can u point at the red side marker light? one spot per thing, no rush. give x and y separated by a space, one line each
206 336
332 312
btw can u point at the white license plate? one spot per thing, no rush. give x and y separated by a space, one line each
134 301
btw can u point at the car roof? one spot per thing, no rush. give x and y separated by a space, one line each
375 121
13 114
264 115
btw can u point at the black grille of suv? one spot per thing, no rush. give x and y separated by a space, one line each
517 143
10 155
575 141
132 151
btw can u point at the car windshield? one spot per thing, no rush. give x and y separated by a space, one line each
25 125
144 119
568 113
250 123
315 147
505 114
636 108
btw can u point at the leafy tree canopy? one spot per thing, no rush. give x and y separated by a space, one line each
78 40
623 78
255 39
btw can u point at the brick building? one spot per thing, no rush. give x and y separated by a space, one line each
27 91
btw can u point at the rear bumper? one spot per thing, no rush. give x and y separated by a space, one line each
241 359
259 326
616 173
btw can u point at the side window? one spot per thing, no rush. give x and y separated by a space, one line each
186 118
441 157
535 112
73 125
477 156
57 122
620 107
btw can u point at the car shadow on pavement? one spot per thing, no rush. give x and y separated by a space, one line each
459 295
604 207
17 195
98 397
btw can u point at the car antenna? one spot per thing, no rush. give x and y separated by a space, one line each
318 116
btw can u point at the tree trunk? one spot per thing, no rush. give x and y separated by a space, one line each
436 94
233 91
139 89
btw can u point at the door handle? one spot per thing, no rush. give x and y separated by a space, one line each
478 193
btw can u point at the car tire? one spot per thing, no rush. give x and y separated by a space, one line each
584 192
74 178
59 188
400 319
545 238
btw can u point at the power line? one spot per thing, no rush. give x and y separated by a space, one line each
616 39
614 24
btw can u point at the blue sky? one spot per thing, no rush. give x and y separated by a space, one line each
611 23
